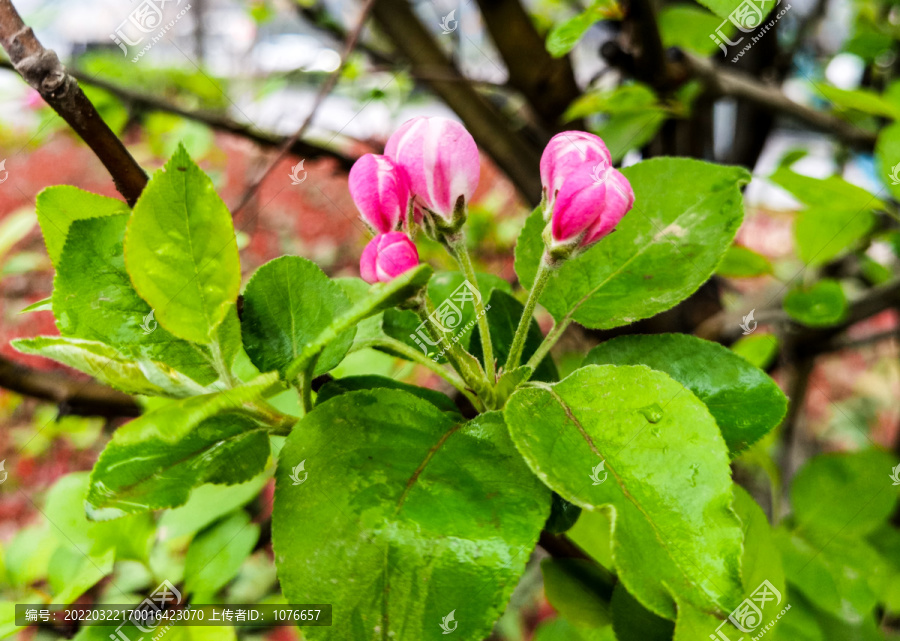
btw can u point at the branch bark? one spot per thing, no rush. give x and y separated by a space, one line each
87 398
728 83
42 70
492 131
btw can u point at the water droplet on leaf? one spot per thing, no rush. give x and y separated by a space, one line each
652 413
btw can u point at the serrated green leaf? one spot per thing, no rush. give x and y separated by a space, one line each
181 252
354 383
849 493
380 297
215 555
685 215
740 262
819 305
93 299
108 365
288 302
745 402
664 475
398 458
155 461
60 205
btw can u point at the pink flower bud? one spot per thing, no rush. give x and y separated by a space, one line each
441 159
387 256
380 190
566 152
590 202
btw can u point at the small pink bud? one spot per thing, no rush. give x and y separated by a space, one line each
441 159
591 201
380 190
566 152
387 256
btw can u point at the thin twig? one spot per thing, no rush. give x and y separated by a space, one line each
324 90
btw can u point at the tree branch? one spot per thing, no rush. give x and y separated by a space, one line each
517 157
42 70
87 398
727 83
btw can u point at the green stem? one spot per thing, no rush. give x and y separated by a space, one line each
548 343
458 248
540 281
419 358
219 365
304 381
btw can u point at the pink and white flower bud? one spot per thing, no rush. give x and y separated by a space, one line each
386 257
380 189
589 205
441 159
566 152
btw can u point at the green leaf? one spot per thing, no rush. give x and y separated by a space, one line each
181 252
689 27
503 314
93 299
354 383
380 297
575 589
847 493
72 572
722 8
287 303
593 534
745 402
820 305
207 504
887 155
215 555
129 538
565 35
625 99
623 132
60 205
108 365
664 476
399 324
685 216
379 463
45 305
827 193
761 560
760 349
563 515
864 100
740 262
154 461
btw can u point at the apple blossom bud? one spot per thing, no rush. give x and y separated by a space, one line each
589 205
380 189
441 159
566 152
387 256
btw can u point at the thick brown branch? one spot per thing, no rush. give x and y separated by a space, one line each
515 156
42 70
547 83
78 397
728 83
